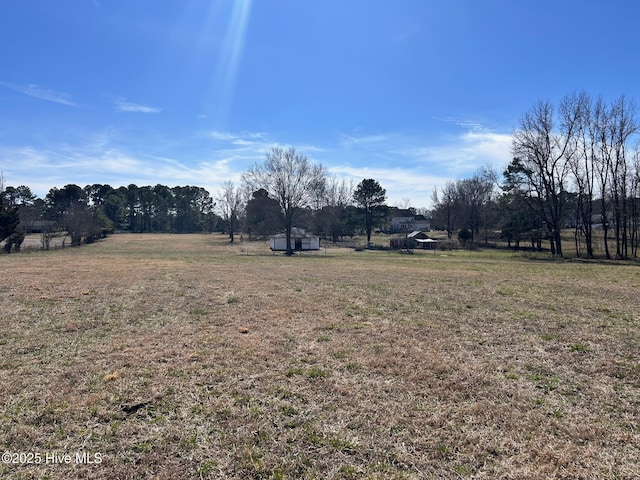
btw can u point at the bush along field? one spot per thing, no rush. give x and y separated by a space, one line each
165 356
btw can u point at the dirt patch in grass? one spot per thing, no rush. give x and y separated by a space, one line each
185 357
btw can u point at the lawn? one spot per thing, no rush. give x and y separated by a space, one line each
166 356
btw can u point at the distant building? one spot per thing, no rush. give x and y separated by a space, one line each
300 241
406 220
37 226
422 240
415 239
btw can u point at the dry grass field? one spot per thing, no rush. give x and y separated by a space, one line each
164 356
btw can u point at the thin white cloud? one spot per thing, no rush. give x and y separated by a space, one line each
495 146
223 136
401 183
59 165
122 105
245 145
461 155
238 138
306 149
411 166
42 93
364 140
408 166
462 122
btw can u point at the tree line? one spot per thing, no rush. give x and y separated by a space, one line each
287 190
577 164
574 167
89 213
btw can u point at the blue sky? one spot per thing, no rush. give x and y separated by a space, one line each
192 92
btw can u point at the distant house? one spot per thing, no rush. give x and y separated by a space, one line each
300 241
405 220
37 226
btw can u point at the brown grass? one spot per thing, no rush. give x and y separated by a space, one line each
184 357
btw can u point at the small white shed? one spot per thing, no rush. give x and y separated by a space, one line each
300 241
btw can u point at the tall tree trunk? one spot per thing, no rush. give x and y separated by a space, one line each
605 228
288 233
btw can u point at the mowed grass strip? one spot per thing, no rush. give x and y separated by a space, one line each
185 357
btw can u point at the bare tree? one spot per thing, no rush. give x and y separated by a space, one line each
601 161
331 217
473 196
601 165
291 179
404 204
230 204
582 166
614 125
634 201
542 153
445 207
339 192
624 124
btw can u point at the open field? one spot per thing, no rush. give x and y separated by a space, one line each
183 357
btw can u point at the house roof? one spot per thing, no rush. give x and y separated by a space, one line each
417 234
295 233
403 212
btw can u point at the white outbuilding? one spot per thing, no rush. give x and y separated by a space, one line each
300 241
